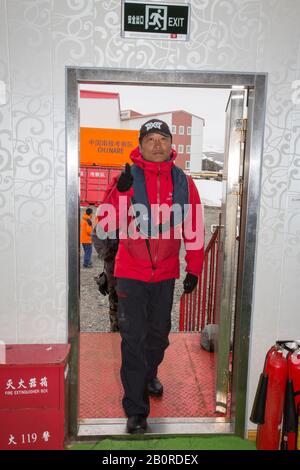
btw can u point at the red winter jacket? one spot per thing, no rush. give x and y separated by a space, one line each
133 259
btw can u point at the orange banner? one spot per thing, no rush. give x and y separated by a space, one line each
106 147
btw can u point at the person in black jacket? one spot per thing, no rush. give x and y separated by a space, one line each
107 250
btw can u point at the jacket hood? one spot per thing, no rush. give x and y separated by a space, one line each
138 159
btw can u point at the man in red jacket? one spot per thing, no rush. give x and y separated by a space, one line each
155 205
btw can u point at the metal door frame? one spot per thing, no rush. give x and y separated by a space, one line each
228 249
257 84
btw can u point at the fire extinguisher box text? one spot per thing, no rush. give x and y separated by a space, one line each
32 396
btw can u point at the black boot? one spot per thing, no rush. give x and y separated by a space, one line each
136 424
155 388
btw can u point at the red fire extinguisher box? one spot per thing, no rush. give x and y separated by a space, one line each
32 396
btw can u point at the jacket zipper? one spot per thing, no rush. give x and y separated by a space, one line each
158 203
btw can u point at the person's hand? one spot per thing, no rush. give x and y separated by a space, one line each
102 283
190 283
125 180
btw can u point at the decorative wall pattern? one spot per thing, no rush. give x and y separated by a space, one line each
275 302
37 40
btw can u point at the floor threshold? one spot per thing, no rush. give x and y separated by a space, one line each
156 426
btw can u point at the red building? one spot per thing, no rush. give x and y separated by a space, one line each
187 130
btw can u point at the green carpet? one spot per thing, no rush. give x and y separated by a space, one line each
216 442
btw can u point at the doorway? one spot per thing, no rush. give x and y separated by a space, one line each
255 87
108 113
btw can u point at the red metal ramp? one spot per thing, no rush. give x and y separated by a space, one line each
187 374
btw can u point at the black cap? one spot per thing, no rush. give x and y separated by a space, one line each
89 211
154 126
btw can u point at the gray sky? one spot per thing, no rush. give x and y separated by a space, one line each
207 103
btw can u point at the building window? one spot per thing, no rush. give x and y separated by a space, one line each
181 130
189 130
180 148
187 165
188 149
174 146
173 129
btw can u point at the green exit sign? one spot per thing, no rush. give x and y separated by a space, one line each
155 20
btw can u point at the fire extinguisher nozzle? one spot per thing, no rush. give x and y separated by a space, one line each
259 404
290 414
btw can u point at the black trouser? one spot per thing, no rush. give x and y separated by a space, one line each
144 313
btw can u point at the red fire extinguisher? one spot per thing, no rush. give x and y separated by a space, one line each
292 401
270 399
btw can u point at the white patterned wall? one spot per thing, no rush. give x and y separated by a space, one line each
37 40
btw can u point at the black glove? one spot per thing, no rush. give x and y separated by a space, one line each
102 283
125 180
190 283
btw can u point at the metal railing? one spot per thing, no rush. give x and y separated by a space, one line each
199 308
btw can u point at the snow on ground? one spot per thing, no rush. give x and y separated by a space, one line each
210 192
